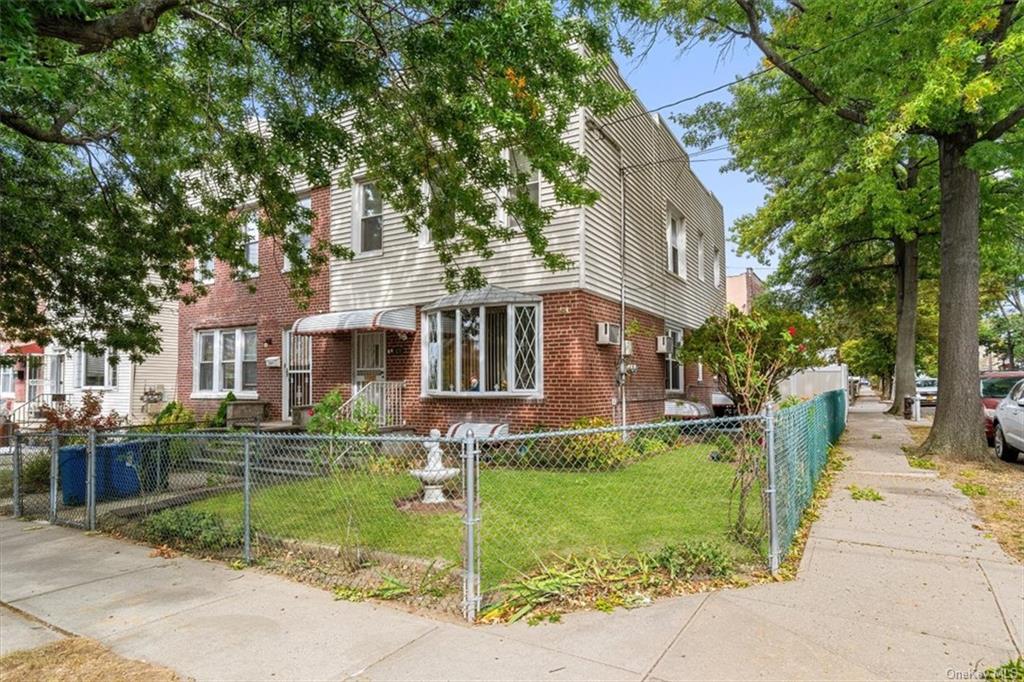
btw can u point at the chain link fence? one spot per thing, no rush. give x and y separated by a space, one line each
475 526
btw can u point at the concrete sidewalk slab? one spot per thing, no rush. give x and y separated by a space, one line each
281 630
628 639
453 652
18 632
1007 583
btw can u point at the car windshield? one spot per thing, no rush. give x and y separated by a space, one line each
997 387
927 383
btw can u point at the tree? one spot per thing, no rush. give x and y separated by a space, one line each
751 354
945 74
131 131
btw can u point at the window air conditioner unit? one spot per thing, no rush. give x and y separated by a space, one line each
665 345
608 334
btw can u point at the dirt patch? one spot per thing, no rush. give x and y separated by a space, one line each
78 659
996 489
416 505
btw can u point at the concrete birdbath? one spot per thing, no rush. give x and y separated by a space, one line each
435 474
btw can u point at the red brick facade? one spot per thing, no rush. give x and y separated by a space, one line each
271 310
579 377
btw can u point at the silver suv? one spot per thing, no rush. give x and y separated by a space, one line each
1009 424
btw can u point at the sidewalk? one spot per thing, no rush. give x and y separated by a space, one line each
904 588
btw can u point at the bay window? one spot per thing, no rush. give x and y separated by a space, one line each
483 349
224 360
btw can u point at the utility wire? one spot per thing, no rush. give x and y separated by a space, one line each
761 72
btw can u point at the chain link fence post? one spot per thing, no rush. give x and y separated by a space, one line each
471 582
247 500
54 463
773 515
90 481
16 477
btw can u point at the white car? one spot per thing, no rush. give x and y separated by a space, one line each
928 390
1009 424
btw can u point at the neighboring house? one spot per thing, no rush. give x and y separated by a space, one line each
238 337
51 374
534 348
742 289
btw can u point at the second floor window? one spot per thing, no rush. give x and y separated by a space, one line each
700 256
225 360
521 165
369 231
675 235
717 268
306 239
251 245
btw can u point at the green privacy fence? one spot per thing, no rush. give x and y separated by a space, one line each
802 436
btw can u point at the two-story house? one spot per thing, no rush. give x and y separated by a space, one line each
534 348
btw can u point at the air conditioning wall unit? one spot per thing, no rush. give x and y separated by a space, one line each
665 345
608 334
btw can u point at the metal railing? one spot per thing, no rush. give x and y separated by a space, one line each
28 412
468 525
376 401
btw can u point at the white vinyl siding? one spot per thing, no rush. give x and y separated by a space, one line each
224 360
483 350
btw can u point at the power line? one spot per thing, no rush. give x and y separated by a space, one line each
761 72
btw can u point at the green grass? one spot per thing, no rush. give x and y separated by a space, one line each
527 516
864 494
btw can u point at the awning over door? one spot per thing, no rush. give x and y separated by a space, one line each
397 319
24 349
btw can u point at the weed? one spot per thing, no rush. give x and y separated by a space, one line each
921 463
690 559
876 436
864 494
188 528
35 475
1011 670
971 489
969 473
342 592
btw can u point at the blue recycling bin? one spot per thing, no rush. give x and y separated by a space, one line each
71 469
120 475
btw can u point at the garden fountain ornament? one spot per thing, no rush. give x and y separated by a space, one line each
434 475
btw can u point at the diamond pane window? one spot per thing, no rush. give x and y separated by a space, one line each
525 339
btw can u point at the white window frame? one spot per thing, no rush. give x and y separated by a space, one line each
252 241
675 266
358 217
507 219
510 347
7 372
305 202
700 256
717 267
110 374
215 392
671 361
205 272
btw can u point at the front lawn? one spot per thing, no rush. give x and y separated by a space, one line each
527 516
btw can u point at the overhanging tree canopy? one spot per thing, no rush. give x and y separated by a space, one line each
132 130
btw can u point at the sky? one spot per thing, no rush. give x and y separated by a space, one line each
665 74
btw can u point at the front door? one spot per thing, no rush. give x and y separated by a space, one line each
56 371
370 354
35 376
296 372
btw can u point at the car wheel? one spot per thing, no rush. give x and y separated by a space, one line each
1004 450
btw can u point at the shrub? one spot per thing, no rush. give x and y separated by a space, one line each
176 418
649 446
219 418
590 451
35 475
694 559
790 401
88 415
191 529
326 417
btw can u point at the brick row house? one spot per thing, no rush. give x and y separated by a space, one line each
534 348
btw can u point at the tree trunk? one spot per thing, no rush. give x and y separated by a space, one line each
958 429
906 322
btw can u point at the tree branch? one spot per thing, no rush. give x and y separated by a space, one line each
54 134
1000 127
998 34
96 35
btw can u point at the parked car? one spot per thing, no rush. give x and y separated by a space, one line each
722 405
1009 424
928 390
994 387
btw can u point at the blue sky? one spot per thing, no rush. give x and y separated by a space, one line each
666 74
